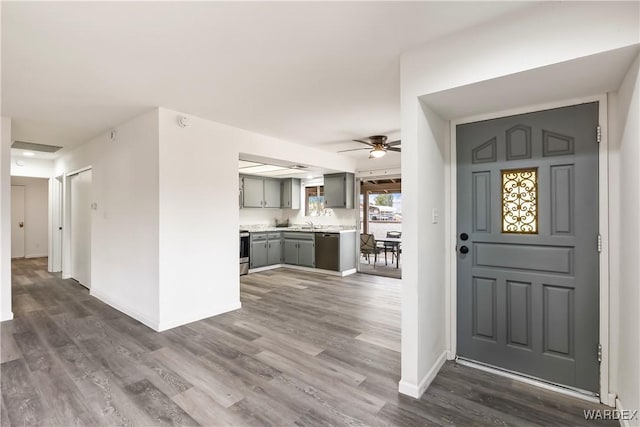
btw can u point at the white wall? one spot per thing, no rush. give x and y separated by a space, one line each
512 44
5 219
35 168
258 216
624 198
124 229
199 212
165 232
36 211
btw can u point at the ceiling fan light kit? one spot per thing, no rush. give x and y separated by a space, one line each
377 146
377 152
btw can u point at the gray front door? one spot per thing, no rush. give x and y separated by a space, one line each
527 233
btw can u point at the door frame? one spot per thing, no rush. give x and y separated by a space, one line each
55 222
24 213
451 282
391 173
67 268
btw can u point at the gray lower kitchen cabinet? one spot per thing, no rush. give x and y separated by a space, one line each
299 249
274 249
260 192
291 252
258 254
306 253
338 190
291 193
266 249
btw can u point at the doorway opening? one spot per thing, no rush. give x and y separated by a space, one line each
29 217
381 227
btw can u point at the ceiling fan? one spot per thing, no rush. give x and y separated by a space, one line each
377 146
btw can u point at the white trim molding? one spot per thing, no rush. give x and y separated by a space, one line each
302 268
417 390
152 323
621 410
191 317
603 225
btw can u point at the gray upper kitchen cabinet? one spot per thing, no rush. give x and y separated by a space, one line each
252 192
271 193
338 190
260 192
291 193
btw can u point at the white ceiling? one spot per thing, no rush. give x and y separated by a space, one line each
316 73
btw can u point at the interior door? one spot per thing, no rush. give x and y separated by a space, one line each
81 227
527 244
17 221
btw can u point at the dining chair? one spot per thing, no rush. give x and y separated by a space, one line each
368 247
392 247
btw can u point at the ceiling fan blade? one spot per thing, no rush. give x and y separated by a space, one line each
353 149
398 150
364 142
392 143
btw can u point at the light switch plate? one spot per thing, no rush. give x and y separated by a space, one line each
435 216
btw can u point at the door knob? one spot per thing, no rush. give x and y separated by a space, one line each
464 236
464 250
21 224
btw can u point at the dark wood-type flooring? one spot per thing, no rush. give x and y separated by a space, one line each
305 350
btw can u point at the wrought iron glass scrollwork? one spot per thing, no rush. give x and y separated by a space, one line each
519 201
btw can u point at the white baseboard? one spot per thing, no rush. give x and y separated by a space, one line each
623 422
191 317
307 269
7 317
266 268
417 390
45 255
152 323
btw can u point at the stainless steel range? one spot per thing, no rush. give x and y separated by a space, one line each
244 252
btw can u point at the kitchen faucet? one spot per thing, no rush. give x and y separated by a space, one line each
310 224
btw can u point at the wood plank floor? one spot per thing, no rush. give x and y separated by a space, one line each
304 350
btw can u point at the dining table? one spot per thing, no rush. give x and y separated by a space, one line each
395 243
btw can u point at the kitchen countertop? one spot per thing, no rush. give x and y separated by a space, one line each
316 229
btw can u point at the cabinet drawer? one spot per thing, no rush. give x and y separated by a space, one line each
274 236
299 236
257 237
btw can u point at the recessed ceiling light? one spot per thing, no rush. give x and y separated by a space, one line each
29 153
19 163
309 176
